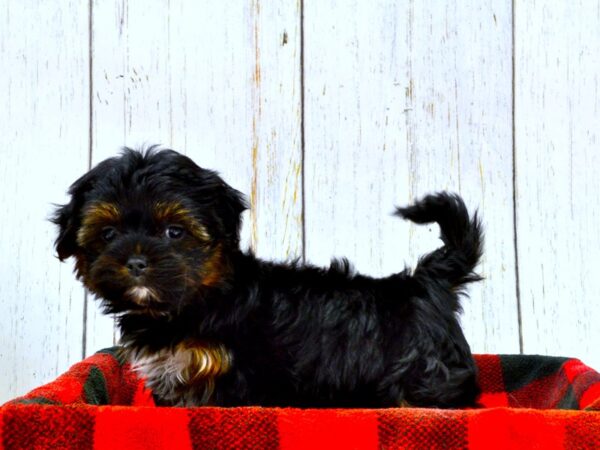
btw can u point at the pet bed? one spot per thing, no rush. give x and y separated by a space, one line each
527 402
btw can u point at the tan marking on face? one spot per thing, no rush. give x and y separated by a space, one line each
175 213
213 269
95 217
184 375
122 271
119 272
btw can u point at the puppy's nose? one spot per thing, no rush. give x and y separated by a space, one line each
137 265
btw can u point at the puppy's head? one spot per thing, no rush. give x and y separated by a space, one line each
149 230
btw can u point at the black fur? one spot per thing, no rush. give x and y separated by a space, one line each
299 335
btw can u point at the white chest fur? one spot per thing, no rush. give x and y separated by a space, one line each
183 375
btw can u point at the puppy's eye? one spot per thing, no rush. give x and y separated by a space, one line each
174 232
109 233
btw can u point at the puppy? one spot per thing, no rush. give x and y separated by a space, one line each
156 239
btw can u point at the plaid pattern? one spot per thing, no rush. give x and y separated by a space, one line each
527 402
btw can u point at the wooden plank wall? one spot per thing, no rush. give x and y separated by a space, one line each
327 115
44 124
557 156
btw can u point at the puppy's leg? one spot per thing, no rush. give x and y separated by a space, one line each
432 365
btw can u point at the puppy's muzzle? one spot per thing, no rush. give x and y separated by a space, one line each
137 265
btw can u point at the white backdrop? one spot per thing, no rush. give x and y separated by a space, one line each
326 114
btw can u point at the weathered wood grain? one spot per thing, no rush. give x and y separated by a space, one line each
44 127
403 99
239 111
557 117
460 138
214 80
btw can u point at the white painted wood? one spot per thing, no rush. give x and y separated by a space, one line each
558 203
237 109
214 80
402 99
355 135
460 138
44 129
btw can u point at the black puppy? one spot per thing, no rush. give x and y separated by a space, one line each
156 239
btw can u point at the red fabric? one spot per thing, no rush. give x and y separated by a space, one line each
35 426
72 427
302 429
220 428
590 398
126 428
101 404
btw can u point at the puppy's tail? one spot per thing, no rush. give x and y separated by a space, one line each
462 237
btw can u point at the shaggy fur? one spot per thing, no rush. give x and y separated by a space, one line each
156 239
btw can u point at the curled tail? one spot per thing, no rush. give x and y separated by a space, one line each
462 237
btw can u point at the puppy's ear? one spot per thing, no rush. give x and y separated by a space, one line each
231 206
68 216
66 242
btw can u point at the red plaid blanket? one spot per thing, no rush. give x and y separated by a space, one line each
527 402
